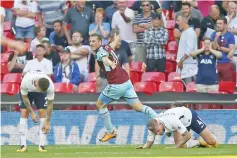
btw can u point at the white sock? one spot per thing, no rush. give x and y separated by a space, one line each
42 135
23 129
192 143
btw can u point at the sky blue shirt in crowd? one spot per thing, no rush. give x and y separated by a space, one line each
106 27
207 72
224 41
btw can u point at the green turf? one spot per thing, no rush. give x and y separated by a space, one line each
115 151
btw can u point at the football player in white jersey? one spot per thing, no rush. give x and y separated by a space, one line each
38 87
180 120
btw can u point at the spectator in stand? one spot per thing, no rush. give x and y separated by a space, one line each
99 26
155 39
207 77
40 36
81 54
79 17
123 59
57 38
2 16
140 23
232 25
51 55
233 55
25 19
98 4
187 66
192 21
210 21
49 11
39 63
17 62
223 6
109 12
122 19
67 71
137 6
193 3
175 4
188 9
223 41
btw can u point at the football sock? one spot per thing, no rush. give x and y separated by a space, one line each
42 135
149 111
192 143
104 113
23 128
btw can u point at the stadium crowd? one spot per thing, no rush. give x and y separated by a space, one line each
190 43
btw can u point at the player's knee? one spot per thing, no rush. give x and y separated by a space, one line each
211 141
42 113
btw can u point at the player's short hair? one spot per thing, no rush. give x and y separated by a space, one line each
97 36
152 124
77 32
43 84
100 10
113 31
37 30
223 19
40 46
58 21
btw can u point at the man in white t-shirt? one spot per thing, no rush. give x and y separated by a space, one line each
40 36
179 121
187 66
2 16
232 24
40 63
122 19
38 87
81 54
25 19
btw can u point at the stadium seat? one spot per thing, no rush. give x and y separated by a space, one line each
87 87
9 35
4 57
170 56
227 86
135 77
172 46
92 77
171 34
156 77
171 87
10 88
4 69
63 87
137 67
174 76
145 87
234 76
190 87
170 24
7 26
12 78
170 66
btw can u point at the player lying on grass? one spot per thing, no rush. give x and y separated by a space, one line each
180 120
119 84
38 87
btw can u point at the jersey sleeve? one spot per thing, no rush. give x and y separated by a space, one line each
24 89
151 136
100 54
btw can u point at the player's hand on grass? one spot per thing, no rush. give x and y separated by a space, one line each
46 127
140 147
34 117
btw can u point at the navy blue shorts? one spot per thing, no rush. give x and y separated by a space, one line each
197 125
39 99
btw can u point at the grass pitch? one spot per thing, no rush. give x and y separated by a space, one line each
77 151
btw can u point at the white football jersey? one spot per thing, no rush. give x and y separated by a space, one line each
173 119
27 84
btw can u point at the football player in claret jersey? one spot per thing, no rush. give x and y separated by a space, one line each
119 84
38 87
179 121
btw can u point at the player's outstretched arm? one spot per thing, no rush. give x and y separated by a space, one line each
29 108
147 145
46 127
